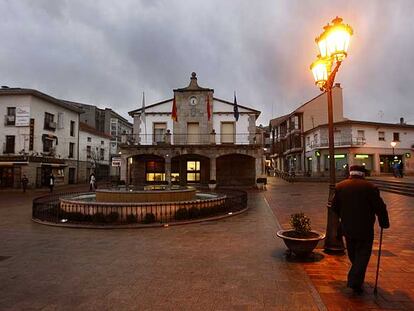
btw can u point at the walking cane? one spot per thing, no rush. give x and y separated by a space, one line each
378 264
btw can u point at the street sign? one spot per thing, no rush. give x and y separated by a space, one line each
116 161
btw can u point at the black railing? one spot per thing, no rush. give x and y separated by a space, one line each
61 208
288 176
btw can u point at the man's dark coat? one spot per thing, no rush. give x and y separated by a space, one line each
357 201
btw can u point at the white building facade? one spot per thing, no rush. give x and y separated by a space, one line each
94 155
193 138
39 137
361 143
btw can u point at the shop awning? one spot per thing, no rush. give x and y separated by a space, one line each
13 163
53 164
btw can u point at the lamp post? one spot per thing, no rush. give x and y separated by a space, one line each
393 144
333 46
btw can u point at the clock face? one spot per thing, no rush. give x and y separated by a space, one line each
193 100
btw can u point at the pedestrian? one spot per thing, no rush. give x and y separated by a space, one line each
51 182
92 182
395 169
25 181
357 202
401 169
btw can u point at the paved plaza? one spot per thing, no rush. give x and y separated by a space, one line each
232 264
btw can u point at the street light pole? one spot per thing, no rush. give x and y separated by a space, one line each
333 45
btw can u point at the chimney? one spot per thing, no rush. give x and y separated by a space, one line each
402 121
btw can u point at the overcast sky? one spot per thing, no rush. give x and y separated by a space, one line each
106 53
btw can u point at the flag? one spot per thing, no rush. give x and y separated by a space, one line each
174 111
236 108
208 108
143 108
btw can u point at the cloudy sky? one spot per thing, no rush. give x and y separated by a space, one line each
107 53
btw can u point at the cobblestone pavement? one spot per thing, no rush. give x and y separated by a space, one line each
396 280
233 264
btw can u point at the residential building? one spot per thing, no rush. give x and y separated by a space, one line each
94 153
360 143
191 138
39 137
287 131
300 141
105 121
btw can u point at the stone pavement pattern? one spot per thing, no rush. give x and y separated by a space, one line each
235 264
396 281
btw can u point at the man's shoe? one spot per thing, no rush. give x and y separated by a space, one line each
358 290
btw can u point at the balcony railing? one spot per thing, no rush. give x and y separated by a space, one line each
351 141
193 139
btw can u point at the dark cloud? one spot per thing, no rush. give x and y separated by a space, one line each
108 52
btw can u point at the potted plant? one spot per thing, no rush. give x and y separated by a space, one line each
261 182
301 239
212 184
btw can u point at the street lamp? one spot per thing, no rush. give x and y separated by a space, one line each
333 46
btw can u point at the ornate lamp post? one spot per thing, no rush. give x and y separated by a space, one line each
333 46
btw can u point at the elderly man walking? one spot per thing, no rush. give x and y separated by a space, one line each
357 202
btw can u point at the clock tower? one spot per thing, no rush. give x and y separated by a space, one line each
194 113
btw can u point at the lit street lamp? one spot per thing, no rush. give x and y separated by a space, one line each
393 144
333 46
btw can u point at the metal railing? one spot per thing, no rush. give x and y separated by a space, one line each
343 141
193 139
62 209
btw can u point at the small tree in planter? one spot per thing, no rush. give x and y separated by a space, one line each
212 184
301 239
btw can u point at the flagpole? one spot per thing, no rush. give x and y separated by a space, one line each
143 117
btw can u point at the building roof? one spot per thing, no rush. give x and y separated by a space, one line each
281 119
193 86
80 105
368 123
38 94
89 129
131 113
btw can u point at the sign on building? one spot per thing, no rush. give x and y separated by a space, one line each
22 116
116 161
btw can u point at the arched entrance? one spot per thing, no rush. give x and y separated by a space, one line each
190 169
235 170
146 169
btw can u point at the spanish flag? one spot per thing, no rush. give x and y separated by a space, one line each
174 111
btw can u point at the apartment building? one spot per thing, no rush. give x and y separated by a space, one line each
39 137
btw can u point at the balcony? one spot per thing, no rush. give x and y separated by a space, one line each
341 142
193 139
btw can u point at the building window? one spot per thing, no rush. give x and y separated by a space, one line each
11 116
72 128
308 141
88 152
89 139
102 154
396 136
102 142
227 132
361 134
49 124
60 122
159 130
71 149
47 144
9 144
155 171
381 136
315 138
193 171
114 127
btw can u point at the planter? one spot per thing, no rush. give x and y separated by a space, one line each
260 186
301 247
212 186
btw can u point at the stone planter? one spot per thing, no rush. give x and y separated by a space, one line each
301 247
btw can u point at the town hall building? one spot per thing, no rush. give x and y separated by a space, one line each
192 138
